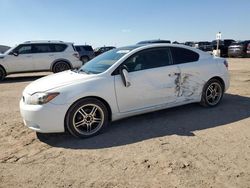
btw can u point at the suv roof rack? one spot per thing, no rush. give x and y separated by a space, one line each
43 41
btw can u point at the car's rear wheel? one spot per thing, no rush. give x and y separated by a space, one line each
212 93
2 74
60 66
86 118
84 59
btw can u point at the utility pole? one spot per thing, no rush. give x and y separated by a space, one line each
218 37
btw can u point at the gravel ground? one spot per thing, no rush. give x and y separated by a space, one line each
188 146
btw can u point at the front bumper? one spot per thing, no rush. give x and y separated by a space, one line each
47 118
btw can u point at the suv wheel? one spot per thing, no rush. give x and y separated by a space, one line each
2 74
60 66
86 118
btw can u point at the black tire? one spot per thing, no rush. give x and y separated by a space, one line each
2 74
86 118
212 93
60 66
84 59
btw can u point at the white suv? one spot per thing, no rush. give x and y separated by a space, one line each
55 56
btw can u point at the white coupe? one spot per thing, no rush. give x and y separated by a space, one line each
120 83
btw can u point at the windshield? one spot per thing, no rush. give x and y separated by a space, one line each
102 62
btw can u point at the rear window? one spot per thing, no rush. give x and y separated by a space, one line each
60 47
87 48
237 43
182 55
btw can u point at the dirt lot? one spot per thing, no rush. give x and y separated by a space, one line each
188 146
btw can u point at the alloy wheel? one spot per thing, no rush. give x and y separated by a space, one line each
88 119
213 93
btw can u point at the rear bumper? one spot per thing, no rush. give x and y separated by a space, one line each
236 53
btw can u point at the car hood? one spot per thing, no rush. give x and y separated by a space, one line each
55 81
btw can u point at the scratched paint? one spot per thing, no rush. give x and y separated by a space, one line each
186 85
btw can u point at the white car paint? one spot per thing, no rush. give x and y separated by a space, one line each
38 61
150 90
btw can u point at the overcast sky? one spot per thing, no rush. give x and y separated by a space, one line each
122 22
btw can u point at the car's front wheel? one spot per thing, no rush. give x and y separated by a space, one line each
212 93
86 118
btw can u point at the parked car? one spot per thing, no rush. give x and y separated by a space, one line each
154 41
175 42
223 46
101 50
205 46
120 83
55 56
239 49
189 43
86 52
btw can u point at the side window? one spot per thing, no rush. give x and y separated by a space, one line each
148 59
42 48
23 49
61 47
182 55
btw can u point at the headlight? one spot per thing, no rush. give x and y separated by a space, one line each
40 98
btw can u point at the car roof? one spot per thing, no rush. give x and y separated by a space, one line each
155 45
84 45
46 42
154 41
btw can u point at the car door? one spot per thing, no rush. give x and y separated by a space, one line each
43 56
190 82
20 59
152 80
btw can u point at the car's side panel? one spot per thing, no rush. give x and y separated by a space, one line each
148 88
191 80
42 61
20 63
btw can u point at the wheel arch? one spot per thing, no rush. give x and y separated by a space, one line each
4 70
90 97
220 80
2 67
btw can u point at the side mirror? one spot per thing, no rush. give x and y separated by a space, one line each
124 76
13 53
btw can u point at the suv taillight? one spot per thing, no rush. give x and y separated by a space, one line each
226 64
76 54
248 48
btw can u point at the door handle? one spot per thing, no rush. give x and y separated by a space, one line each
174 74
28 56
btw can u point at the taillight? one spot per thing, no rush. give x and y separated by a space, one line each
226 64
248 48
76 54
